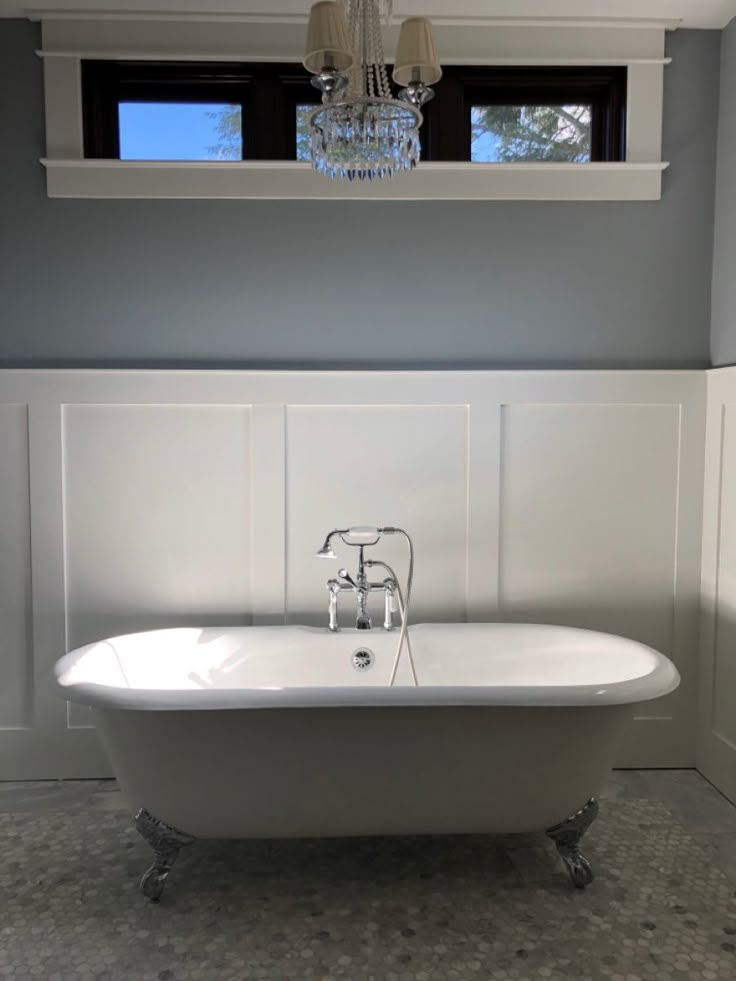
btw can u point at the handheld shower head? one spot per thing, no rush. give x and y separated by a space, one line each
327 551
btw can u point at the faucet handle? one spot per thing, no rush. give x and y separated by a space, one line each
392 603
344 574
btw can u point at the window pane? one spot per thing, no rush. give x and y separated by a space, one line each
180 131
503 134
303 112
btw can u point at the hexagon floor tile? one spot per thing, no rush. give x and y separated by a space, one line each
395 909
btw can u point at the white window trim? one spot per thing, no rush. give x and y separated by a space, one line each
284 179
67 41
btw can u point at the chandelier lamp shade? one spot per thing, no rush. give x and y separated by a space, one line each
416 54
362 130
328 44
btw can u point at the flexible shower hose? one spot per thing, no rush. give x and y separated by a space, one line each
403 606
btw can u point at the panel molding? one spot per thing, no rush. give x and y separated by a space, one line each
268 513
16 645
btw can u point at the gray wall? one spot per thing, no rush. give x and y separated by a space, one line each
334 284
723 327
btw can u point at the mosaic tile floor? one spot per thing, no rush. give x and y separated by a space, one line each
409 909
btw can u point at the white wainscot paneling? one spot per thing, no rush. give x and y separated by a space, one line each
164 498
589 510
157 516
16 658
404 466
716 751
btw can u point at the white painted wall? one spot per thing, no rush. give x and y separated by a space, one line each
142 499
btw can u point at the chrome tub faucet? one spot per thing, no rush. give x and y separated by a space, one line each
360 586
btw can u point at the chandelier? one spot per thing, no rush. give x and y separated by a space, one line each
361 130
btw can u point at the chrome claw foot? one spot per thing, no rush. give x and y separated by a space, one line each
166 843
567 836
153 882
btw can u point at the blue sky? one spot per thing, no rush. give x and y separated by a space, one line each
186 131
167 131
486 147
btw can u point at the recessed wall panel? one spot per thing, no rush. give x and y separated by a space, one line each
588 517
157 517
724 667
402 466
16 667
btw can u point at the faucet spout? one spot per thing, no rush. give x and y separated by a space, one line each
363 620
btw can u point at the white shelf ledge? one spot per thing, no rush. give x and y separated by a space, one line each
280 179
101 54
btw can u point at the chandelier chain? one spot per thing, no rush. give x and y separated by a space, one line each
370 77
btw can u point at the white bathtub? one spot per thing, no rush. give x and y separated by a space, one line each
273 732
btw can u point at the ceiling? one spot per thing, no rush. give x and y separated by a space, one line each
688 13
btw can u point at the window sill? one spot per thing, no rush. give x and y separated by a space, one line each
286 180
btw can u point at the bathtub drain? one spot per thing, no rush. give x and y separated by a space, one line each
363 659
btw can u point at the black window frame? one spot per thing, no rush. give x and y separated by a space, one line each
269 93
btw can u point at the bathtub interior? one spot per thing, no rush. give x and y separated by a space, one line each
539 655
445 655
190 658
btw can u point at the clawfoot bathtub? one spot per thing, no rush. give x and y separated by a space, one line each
270 732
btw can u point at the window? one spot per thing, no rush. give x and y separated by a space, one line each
197 111
502 115
194 111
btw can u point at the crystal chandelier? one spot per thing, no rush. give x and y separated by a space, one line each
360 130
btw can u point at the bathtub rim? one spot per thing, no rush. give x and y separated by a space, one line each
662 680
